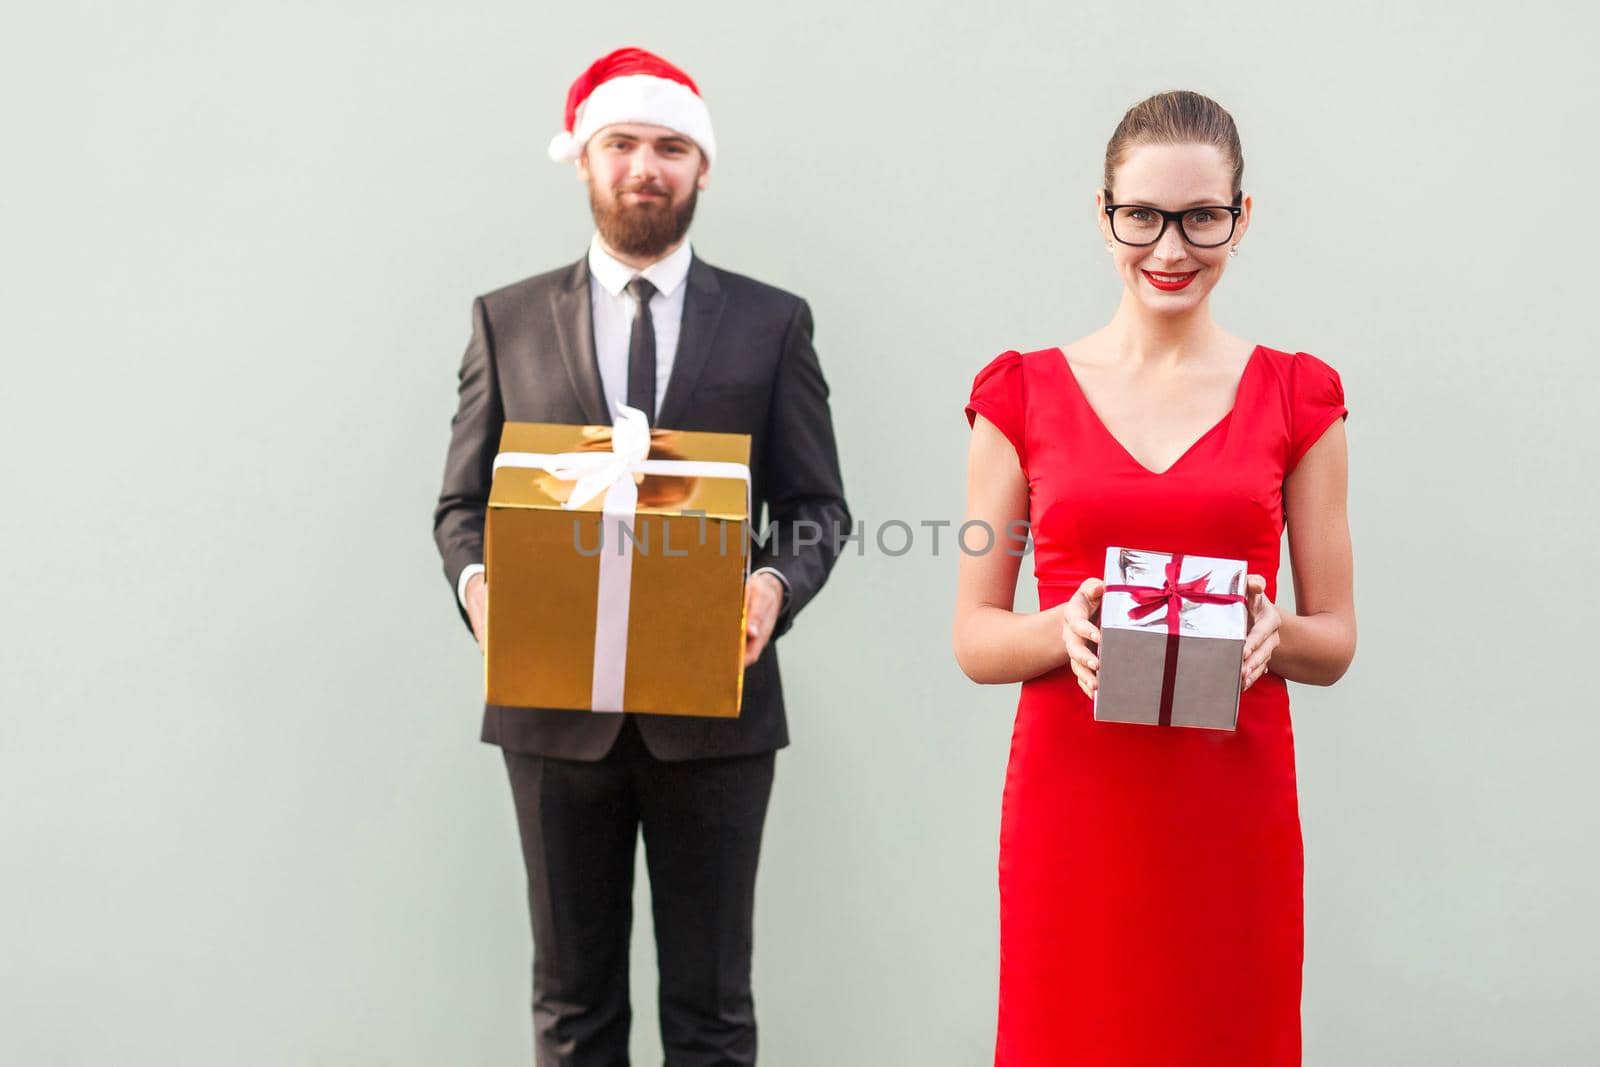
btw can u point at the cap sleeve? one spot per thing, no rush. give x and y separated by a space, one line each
1317 399
997 395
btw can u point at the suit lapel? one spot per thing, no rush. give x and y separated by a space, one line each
702 308
574 319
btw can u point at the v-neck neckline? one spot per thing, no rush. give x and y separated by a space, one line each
1238 390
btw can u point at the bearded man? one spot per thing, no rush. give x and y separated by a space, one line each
642 321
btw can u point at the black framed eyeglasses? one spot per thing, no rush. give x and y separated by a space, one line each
1204 227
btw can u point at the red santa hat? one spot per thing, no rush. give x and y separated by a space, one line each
632 85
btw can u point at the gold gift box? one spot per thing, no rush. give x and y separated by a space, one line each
685 632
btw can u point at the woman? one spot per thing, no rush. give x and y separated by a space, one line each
1150 877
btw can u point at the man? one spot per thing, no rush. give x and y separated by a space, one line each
642 321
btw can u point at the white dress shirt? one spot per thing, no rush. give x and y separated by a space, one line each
613 309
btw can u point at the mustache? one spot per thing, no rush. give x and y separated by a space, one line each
642 187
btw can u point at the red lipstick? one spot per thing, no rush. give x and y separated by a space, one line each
1169 283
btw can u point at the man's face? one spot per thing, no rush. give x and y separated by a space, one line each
643 182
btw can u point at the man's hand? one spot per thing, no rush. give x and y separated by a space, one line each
478 607
763 599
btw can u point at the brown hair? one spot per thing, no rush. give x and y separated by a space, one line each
1177 117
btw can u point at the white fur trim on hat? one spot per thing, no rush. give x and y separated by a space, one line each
641 98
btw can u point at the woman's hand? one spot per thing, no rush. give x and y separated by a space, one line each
1081 636
1262 639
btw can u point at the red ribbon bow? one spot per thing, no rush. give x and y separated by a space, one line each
1172 593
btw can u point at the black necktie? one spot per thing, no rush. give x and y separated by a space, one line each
642 351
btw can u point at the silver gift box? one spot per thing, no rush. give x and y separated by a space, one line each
1142 661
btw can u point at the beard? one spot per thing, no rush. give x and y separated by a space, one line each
641 229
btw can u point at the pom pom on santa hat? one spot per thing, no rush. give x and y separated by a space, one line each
632 85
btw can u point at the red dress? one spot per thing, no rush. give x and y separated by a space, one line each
1150 877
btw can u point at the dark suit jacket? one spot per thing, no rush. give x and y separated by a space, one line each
744 364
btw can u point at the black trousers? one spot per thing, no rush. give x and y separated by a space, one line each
702 823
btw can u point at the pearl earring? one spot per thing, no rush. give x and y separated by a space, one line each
1110 247
1233 251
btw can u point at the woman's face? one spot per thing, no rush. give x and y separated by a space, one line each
1171 276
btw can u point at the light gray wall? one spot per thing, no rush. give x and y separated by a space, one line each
245 817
